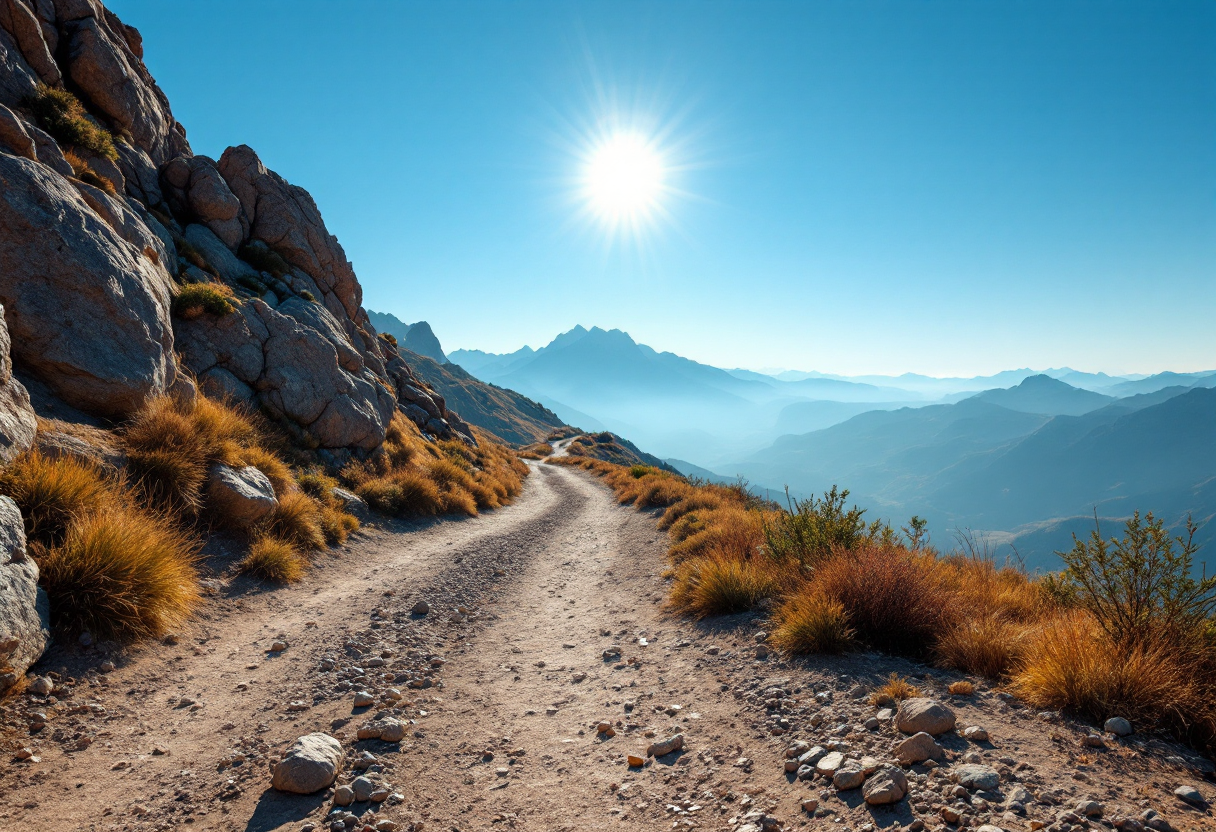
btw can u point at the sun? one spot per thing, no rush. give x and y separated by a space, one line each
624 178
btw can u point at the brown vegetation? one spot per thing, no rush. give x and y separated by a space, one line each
1124 630
416 478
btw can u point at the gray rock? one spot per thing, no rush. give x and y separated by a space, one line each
828 764
344 796
916 749
1118 726
311 764
352 503
217 254
667 746
977 777
240 496
196 187
1191 795
976 734
115 81
24 610
922 714
888 784
18 422
848 776
363 788
88 312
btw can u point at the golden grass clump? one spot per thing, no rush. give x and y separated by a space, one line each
209 298
537 450
893 691
53 493
987 645
1071 664
297 519
418 478
730 529
961 688
810 622
722 585
273 559
120 573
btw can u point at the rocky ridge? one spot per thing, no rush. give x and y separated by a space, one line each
107 216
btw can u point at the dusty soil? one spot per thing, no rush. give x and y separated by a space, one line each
504 682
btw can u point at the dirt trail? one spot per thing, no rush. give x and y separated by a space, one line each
504 681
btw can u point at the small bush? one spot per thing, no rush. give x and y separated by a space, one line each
272 559
407 494
86 174
961 688
809 622
389 337
52 494
639 471
721 585
458 500
317 485
809 531
308 296
1140 586
120 573
61 114
893 691
195 299
730 529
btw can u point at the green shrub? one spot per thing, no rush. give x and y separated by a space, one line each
639 471
308 296
196 299
810 530
62 115
1141 586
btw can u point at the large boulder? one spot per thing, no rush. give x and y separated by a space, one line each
197 189
917 748
241 496
24 610
18 422
923 714
18 20
311 764
88 311
103 66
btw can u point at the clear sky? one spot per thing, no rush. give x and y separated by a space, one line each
937 187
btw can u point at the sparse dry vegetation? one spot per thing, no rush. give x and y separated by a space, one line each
416 478
61 114
195 299
1124 630
275 560
893 691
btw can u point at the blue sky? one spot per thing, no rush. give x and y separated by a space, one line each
945 187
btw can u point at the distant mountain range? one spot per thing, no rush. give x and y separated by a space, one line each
1021 455
417 338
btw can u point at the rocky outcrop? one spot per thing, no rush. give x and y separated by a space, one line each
24 610
421 340
87 274
18 423
88 311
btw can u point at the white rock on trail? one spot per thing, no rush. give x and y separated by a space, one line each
922 714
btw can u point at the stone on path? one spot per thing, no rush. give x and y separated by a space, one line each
922 714
311 764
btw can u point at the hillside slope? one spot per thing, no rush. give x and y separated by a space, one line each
506 414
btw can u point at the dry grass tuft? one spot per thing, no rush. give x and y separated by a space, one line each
53 494
196 299
722 585
893 691
961 688
988 646
273 559
297 519
120 573
810 622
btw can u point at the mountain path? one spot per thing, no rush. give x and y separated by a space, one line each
503 682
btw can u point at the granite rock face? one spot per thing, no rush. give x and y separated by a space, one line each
88 274
24 610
